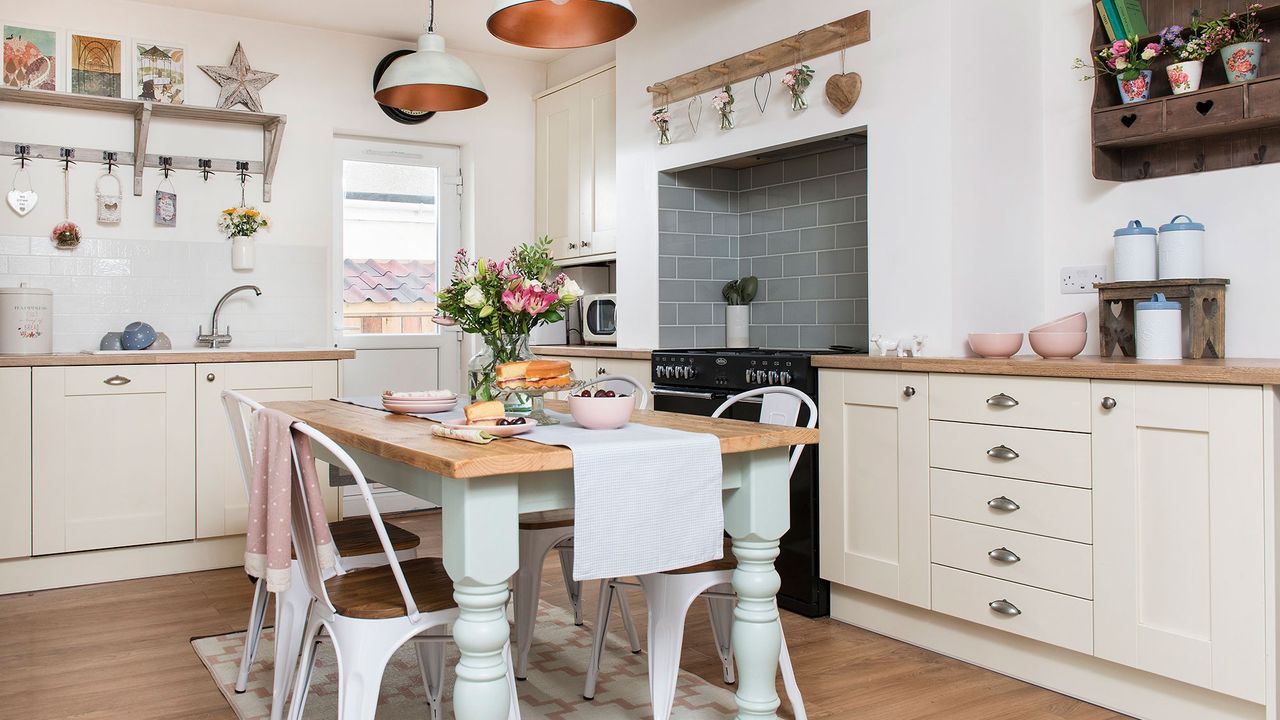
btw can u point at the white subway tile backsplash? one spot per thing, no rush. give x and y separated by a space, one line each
19 265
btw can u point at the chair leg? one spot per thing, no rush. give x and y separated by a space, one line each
627 622
598 632
528 581
513 712
302 683
571 586
291 621
722 629
669 598
363 649
431 662
789 681
257 616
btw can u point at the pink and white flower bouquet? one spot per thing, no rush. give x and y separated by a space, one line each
723 103
797 80
661 119
1130 62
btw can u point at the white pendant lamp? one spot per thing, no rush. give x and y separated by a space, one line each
430 79
561 24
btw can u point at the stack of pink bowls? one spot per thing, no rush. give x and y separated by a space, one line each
1061 339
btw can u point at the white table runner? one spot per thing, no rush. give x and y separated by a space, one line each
646 499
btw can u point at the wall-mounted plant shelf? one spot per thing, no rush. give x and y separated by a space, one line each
143 111
1217 127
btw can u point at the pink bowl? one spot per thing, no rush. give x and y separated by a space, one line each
1073 323
996 345
1058 345
601 413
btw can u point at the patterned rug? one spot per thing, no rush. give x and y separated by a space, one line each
557 666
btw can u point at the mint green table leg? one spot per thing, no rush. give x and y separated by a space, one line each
480 553
756 515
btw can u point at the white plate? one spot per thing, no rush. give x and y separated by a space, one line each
419 408
496 430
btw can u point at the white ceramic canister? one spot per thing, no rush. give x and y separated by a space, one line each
26 320
1181 249
1159 329
1135 251
737 327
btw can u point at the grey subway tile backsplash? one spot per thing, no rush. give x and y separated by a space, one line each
798 224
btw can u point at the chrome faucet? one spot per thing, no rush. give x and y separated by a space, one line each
214 338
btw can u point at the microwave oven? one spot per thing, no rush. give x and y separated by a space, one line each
600 319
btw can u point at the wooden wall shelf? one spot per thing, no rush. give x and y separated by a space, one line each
143 111
1217 127
809 44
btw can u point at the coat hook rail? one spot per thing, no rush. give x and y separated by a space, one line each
177 162
823 40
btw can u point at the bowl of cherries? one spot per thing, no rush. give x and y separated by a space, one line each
601 409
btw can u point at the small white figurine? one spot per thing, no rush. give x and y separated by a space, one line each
917 345
885 345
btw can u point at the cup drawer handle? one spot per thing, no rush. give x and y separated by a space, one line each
117 380
1003 503
1004 555
1004 607
1002 400
1003 452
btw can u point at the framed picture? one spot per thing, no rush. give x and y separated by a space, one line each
97 65
159 71
31 57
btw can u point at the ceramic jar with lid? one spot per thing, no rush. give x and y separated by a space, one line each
1135 252
1158 327
1181 249
26 320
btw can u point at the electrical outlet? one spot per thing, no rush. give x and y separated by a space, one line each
1080 279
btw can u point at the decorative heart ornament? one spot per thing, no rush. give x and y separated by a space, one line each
843 91
22 201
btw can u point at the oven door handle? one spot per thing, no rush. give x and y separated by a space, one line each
683 394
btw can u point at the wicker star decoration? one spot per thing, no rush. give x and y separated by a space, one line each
239 83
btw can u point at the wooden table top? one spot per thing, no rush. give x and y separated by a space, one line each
1229 371
409 440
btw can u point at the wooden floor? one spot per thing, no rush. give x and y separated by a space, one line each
122 650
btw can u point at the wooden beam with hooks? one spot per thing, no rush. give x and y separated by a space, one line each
822 40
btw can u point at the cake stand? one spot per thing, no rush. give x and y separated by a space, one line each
538 411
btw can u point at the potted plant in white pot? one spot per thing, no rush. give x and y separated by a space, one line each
1238 37
737 316
1130 62
1188 65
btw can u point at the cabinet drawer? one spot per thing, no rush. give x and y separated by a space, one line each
1062 458
1046 403
1057 565
1204 109
1041 615
1128 122
115 379
1049 510
1264 99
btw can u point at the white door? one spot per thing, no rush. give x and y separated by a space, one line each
397 227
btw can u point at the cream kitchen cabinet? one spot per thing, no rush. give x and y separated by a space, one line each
874 483
15 462
575 195
113 456
221 507
1178 496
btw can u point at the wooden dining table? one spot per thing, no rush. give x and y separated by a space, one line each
483 489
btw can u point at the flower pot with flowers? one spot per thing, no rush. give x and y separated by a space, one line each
502 301
723 103
1188 67
240 224
661 119
1238 38
797 80
1130 62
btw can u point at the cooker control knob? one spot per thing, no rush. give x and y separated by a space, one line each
661 372
785 377
749 374
773 377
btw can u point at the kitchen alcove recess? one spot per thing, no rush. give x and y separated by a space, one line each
1217 127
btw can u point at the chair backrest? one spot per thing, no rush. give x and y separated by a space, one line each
779 406
240 409
618 383
304 539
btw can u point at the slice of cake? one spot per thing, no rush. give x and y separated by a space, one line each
488 412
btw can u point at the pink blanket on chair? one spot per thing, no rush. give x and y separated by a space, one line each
268 545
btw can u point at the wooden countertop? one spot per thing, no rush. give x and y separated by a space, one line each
596 351
1230 371
195 355
408 439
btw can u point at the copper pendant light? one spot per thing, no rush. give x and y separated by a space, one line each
430 80
561 24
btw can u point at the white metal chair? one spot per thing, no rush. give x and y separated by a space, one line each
369 613
357 546
670 594
542 532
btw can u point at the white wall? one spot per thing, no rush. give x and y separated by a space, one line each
324 88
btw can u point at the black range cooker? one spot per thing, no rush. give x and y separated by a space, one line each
696 382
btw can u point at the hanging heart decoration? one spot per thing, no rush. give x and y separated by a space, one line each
22 201
843 91
768 88
695 117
